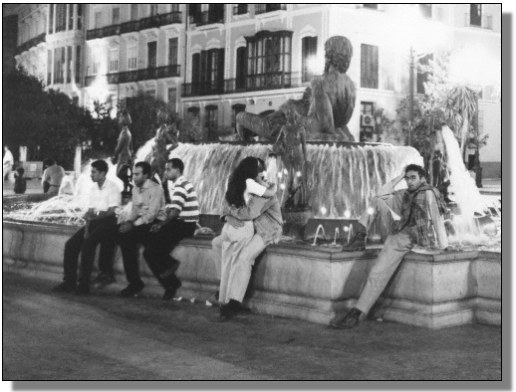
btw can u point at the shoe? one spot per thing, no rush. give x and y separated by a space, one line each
357 243
132 290
63 287
351 320
171 271
102 280
229 310
170 292
82 290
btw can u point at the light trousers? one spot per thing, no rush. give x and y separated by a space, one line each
234 253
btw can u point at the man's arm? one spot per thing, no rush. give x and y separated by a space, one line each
437 222
149 214
255 207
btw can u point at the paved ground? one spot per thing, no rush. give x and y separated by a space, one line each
49 336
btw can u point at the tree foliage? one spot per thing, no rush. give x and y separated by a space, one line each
47 122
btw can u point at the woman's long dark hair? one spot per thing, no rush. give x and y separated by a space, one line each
248 168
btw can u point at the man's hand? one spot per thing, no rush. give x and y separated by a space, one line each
125 227
236 223
157 227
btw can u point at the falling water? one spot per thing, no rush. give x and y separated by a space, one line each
464 191
341 178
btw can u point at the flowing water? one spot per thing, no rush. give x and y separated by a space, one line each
341 179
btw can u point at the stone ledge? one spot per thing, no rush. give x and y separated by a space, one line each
305 282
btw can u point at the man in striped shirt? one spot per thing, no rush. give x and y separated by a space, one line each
177 220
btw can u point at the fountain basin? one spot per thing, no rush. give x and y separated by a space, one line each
302 281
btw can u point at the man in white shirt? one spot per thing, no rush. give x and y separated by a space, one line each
52 177
7 162
100 228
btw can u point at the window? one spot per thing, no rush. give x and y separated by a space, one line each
77 64
426 10
240 9
235 109
134 11
369 66
423 72
132 56
172 94
113 60
195 13
153 9
95 59
115 16
70 16
211 122
68 64
98 19
475 14
172 51
309 51
269 59
151 54
208 71
270 7
51 19
49 67
174 7
60 17
79 16
59 64
216 13
240 67
367 123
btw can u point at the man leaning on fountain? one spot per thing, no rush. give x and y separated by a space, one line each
101 225
406 217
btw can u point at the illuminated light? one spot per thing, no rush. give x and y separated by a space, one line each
298 174
347 214
280 175
285 171
324 210
370 210
282 187
315 64
346 228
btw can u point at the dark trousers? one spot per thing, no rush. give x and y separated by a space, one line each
129 242
159 245
101 232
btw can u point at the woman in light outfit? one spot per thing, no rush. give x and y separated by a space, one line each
247 198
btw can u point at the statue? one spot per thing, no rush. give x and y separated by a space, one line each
166 134
325 108
123 157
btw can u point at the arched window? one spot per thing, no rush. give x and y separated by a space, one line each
308 53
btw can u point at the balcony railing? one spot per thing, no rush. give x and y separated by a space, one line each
136 75
31 42
270 81
263 8
135 25
208 17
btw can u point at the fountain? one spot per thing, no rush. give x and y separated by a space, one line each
296 278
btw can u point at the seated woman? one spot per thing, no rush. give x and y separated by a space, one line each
239 244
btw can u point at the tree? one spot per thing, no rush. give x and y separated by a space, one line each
47 122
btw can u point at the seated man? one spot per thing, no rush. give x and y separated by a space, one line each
408 217
100 228
177 220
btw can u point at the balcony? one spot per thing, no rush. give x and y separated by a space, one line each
154 21
30 43
209 17
263 8
270 81
136 75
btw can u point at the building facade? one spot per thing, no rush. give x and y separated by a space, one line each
212 61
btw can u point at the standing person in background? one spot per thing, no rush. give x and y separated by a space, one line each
8 162
20 184
52 177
